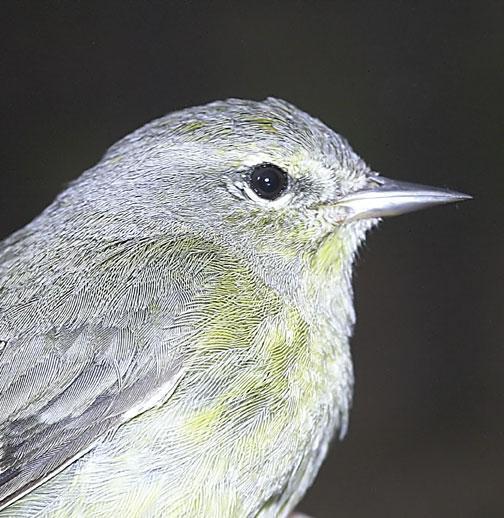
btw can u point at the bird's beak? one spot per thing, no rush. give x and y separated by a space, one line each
390 198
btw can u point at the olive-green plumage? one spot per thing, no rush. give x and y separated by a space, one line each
174 327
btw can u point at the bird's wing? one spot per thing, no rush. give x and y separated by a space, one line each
87 350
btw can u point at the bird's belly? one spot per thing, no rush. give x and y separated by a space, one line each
142 473
250 449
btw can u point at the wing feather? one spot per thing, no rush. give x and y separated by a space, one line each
86 350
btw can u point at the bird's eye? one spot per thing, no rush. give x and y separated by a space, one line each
268 181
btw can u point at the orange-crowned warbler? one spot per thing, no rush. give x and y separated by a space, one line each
174 328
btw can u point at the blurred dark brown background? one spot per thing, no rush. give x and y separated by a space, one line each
418 91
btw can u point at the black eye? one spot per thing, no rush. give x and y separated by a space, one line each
268 181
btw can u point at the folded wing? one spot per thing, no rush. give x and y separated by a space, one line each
86 349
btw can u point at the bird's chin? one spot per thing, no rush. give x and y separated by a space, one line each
352 232
356 229
337 218
332 215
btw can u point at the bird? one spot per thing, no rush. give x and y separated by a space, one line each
175 326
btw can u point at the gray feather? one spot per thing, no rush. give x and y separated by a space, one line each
79 355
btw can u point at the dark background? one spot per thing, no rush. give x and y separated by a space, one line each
417 89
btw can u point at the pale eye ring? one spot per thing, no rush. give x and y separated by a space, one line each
268 181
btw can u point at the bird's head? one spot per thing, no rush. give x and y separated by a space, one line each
262 178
